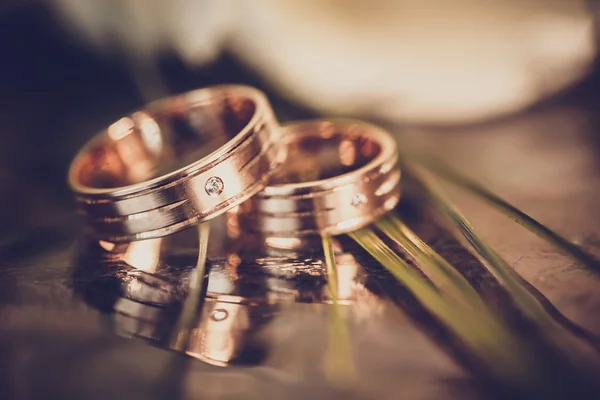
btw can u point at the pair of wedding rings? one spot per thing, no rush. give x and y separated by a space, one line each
188 158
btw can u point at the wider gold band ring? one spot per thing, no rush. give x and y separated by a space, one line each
180 161
339 175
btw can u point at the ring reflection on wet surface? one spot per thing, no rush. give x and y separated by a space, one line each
250 285
149 281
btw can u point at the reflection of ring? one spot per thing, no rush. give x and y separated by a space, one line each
339 175
142 285
180 161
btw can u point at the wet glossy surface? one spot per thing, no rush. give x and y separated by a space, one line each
266 315
242 295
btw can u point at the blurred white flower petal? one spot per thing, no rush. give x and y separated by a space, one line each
427 61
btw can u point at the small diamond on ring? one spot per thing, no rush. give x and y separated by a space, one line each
214 186
358 200
219 314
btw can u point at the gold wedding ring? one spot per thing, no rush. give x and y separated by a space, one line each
180 161
339 175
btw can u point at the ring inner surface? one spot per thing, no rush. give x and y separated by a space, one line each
314 155
149 144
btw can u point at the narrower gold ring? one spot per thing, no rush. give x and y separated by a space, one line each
339 175
180 161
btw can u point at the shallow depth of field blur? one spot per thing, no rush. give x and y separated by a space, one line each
505 92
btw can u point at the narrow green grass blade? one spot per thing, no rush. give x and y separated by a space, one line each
479 330
548 318
446 277
338 364
331 268
189 312
556 240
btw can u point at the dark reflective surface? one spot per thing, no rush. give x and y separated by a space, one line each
58 297
258 296
142 285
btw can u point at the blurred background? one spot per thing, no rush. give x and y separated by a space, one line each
432 63
505 91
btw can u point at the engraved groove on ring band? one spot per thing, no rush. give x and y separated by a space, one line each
309 192
354 222
328 205
116 177
318 210
248 166
318 193
164 201
184 224
93 199
157 219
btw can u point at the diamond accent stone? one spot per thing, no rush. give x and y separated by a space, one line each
214 186
358 200
219 314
